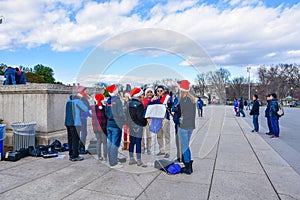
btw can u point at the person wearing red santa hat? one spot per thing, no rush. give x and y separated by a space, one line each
84 97
99 121
115 121
136 121
187 115
164 132
149 92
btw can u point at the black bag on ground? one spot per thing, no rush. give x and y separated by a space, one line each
12 156
36 152
56 145
24 152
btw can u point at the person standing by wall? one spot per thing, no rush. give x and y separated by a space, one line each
267 115
274 117
200 106
255 113
136 124
99 121
10 75
115 120
73 123
84 97
20 77
187 124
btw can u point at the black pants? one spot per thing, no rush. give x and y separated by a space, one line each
73 140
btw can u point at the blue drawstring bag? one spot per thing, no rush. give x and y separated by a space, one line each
174 169
156 125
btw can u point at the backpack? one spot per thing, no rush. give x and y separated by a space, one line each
280 111
174 168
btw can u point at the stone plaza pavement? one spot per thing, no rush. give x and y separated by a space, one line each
230 162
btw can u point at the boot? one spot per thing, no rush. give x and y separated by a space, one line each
191 164
187 168
125 146
128 144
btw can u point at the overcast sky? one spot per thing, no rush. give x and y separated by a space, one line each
232 33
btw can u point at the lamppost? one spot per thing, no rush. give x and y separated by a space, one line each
248 70
292 94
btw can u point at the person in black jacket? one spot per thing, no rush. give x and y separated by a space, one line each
136 121
255 113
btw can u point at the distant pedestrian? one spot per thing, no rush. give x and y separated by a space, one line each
255 113
200 105
115 121
187 124
73 123
236 107
10 75
99 122
274 117
136 123
267 115
241 107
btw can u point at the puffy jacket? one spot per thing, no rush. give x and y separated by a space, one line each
274 108
255 108
187 112
114 112
136 113
73 108
10 71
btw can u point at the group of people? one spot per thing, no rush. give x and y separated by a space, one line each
14 76
271 113
112 118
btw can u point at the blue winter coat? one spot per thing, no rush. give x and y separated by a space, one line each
267 111
73 108
114 112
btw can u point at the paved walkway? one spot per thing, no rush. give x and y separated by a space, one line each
230 162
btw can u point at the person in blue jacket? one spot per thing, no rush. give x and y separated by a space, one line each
10 75
274 117
73 123
115 120
200 106
20 77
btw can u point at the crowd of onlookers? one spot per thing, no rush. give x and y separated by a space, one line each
124 116
13 76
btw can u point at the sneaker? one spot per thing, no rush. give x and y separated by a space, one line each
149 152
143 151
132 161
83 151
167 155
160 154
269 133
79 158
100 158
253 131
117 166
139 163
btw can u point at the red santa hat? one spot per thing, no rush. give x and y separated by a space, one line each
112 90
98 99
80 88
136 92
184 85
149 89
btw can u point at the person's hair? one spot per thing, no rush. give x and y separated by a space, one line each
274 95
256 97
191 97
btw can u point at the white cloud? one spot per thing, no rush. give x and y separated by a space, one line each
247 32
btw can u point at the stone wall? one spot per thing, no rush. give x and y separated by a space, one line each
40 103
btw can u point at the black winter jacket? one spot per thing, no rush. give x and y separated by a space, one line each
136 114
255 108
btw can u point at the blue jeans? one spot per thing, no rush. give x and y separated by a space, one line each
269 125
83 132
137 141
12 77
255 123
241 111
113 143
185 136
275 126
